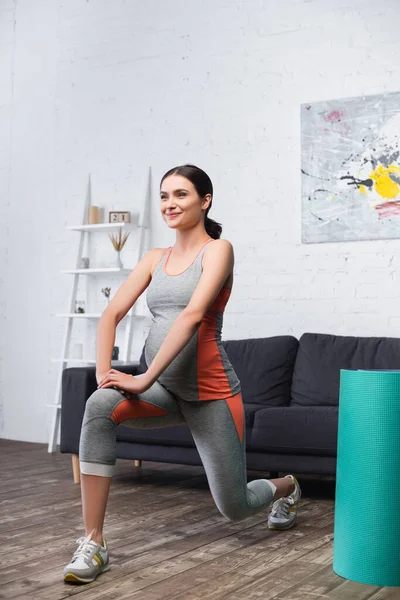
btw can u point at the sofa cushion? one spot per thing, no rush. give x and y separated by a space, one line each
296 430
320 357
177 435
264 367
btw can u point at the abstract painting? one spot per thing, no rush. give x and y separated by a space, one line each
350 169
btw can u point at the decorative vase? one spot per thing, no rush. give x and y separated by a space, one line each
118 262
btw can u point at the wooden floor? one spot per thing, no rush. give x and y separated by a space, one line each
167 539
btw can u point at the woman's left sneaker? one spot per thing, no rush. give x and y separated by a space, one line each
284 511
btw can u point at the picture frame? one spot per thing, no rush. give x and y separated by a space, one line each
350 169
119 216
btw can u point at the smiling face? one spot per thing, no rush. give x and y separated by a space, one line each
181 206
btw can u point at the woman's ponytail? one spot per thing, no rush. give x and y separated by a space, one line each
213 228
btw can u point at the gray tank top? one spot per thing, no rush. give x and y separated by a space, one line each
202 370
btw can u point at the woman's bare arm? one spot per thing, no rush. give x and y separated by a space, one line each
126 296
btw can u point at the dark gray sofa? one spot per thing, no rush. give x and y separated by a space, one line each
290 391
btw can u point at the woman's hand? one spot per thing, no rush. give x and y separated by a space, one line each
124 382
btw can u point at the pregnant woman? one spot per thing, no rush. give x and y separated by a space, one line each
188 379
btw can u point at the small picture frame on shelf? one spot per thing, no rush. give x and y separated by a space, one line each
119 216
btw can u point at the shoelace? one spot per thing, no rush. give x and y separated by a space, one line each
281 507
85 548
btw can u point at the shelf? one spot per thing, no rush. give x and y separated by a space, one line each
94 271
80 315
105 268
96 316
102 227
77 360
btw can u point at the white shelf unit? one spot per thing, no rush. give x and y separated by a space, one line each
86 229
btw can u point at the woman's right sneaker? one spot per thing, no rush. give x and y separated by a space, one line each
88 561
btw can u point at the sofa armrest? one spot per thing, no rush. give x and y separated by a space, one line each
78 384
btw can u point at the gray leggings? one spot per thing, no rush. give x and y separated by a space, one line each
217 427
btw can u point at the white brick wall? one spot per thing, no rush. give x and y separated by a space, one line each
111 87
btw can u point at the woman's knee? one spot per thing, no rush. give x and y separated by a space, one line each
101 403
232 511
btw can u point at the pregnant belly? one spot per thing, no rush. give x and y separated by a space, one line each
182 364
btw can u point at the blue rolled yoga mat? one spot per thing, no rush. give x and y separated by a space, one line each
367 517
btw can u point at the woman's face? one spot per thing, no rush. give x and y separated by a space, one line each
181 206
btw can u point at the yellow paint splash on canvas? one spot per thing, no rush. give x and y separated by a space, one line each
363 189
384 185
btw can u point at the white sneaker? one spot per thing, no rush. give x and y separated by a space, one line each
284 511
88 561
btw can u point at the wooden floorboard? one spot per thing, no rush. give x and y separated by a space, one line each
167 539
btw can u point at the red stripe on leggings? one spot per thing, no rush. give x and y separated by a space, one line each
235 404
135 409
